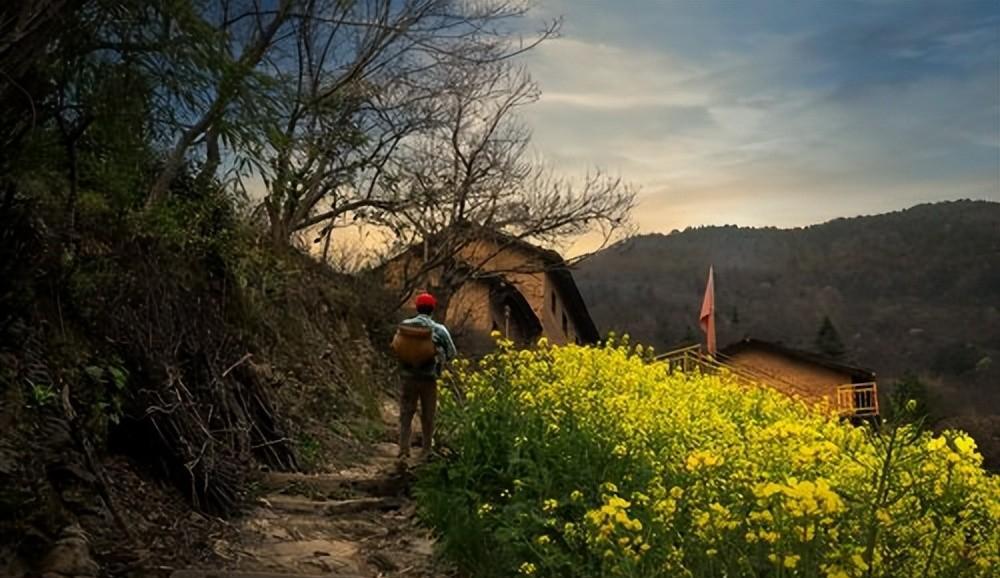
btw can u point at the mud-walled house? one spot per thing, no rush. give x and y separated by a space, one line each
519 289
850 390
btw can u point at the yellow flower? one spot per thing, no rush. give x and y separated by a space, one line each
708 458
543 540
965 444
702 459
527 568
768 536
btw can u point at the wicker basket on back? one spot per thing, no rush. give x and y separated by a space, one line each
414 345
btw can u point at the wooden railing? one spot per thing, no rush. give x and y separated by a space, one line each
858 399
852 400
685 359
689 359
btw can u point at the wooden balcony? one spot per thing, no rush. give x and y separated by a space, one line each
857 399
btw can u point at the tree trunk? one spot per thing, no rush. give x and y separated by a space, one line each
212 158
158 192
444 291
74 183
279 233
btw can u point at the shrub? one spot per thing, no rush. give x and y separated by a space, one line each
572 461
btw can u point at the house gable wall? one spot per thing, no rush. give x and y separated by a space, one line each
557 321
525 270
470 309
814 381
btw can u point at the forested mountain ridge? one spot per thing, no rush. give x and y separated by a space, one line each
911 291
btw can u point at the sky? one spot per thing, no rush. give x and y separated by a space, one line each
773 113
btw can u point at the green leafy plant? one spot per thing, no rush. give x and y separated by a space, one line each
309 451
41 394
111 381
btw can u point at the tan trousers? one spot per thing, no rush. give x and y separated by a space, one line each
414 389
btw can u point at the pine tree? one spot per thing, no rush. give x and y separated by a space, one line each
828 340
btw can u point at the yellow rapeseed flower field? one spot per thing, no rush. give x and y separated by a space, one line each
575 461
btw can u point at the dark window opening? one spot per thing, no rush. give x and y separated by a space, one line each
565 325
553 302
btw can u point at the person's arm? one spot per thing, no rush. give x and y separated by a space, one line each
449 346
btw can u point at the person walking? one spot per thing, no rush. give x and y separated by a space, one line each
419 382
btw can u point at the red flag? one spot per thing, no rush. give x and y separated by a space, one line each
707 318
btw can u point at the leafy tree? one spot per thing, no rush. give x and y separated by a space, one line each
828 340
909 399
231 84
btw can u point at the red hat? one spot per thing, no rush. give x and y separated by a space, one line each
426 300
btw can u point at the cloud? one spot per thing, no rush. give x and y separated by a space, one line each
594 75
793 112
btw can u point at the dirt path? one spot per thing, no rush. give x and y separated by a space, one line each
356 522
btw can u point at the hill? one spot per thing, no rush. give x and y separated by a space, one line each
911 291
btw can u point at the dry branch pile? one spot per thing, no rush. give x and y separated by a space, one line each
198 406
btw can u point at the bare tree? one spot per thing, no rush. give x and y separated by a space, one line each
363 78
473 176
316 95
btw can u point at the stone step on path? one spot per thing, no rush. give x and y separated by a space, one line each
305 505
356 522
228 574
334 486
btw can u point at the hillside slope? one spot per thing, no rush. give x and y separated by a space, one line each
151 366
911 291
